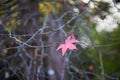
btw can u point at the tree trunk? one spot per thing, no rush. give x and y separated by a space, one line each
53 63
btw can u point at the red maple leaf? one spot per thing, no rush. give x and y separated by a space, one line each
69 44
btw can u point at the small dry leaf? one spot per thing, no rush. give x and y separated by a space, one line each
69 44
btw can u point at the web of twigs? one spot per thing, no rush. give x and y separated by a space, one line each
16 48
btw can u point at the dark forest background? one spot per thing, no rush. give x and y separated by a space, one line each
31 31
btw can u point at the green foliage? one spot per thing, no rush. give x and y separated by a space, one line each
117 1
104 6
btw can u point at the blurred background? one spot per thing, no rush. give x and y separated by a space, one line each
31 31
